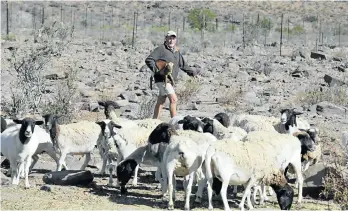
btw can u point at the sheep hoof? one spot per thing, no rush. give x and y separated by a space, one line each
134 183
27 187
171 207
187 208
210 208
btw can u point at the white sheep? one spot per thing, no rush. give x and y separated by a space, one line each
18 144
76 138
251 160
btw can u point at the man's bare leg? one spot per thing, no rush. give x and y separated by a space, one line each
172 105
159 105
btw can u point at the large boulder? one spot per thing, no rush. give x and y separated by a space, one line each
68 177
314 176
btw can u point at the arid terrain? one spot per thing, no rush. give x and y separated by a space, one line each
98 62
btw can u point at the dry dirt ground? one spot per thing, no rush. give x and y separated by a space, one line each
97 196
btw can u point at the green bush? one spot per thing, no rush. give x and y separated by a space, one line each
195 18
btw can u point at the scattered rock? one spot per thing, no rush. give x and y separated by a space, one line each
122 103
332 81
132 97
56 76
342 68
94 107
46 188
318 55
299 74
328 109
313 180
68 177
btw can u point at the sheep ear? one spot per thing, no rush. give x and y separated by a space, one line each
101 103
17 121
181 121
39 122
99 123
116 126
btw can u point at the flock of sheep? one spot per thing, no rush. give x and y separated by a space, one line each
214 152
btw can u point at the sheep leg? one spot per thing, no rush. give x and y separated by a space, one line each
246 192
110 167
185 182
16 172
88 158
263 195
26 172
171 178
135 178
199 192
210 193
270 191
256 190
164 180
102 171
35 159
13 168
235 190
223 194
188 191
306 166
201 183
61 160
297 167
53 155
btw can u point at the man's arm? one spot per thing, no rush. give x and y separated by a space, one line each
151 59
184 67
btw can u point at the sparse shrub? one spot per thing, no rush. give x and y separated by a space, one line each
187 90
147 107
62 100
231 28
195 18
336 181
28 66
336 95
297 29
9 37
230 98
310 18
160 29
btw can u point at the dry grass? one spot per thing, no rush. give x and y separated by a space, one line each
311 96
187 90
336 182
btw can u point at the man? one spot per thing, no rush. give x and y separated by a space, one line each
168 52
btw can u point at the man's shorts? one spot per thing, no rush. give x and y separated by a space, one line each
164 91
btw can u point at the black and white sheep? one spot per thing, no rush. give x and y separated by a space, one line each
107 148
288 118
153 153
18 144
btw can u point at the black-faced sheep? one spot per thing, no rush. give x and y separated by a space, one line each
18 144
234 162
